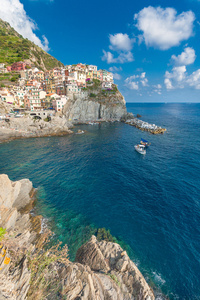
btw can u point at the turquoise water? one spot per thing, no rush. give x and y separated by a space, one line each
151 203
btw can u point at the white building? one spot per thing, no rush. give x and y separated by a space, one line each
2 68
20 97
34 98
106 85
108 76
59 103
72 89
92 68
42 94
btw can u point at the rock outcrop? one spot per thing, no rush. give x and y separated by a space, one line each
14 273
114 271
27 127
100 108
102 270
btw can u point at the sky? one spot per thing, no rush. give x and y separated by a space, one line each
151 47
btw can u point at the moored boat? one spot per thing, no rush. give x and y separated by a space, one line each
140 149
145 143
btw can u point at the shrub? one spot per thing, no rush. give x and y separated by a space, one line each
97 82
103 234
13 79
114 277
44 280
2 232
92 95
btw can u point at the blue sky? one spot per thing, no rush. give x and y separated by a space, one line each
152 47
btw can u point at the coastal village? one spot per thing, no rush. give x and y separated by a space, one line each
35 90
42 94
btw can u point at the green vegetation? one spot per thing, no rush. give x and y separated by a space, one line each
12 76
115 88
103 234
97 82
114 277
2 232
14 48
92 95
44 278
15 77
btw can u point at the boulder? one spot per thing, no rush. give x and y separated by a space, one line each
118 275
14 194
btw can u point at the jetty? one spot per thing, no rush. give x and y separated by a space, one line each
145 126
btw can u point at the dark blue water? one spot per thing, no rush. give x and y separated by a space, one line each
152 203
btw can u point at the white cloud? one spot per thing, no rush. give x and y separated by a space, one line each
158 86
179 78
144 80
194 79
108 56
116 76
122 58
120 42
187 57
168 84
115 69
132 85
134 82
176 78
13 12
163 28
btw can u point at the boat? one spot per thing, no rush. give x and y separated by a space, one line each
145 143
140 149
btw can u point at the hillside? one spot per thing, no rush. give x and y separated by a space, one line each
13 48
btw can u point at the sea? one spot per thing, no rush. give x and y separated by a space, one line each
150 203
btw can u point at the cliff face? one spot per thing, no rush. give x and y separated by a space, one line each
102 269
105 108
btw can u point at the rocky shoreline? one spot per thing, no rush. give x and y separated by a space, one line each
102 270
27 127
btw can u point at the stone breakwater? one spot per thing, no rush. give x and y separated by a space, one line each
145 126
102 270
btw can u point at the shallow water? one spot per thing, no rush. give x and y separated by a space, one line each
152 202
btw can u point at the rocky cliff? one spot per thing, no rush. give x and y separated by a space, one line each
110 107
102 270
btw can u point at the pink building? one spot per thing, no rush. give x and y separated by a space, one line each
26 102
18 66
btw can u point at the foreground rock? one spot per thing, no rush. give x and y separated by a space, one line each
113 272
27 127
102 269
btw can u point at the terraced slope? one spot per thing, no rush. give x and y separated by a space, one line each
13 48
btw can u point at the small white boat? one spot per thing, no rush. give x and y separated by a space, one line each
140 149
